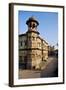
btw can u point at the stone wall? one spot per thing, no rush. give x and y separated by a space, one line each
33 52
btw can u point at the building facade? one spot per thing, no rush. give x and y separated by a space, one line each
33 50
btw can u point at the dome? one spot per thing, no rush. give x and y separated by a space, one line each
32 19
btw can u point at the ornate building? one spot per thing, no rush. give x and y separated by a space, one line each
33 50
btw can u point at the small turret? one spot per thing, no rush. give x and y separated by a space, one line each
32 24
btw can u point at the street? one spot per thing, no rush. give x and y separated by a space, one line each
51 70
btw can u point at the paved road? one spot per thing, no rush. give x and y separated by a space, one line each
51 70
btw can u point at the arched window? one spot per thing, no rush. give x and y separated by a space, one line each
21 43
33 38
39 44
33 25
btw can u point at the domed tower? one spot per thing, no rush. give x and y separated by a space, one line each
32 32
32 35
32 24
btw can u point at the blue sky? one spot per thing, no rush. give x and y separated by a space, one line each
48 24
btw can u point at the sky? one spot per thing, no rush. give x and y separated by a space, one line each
48 24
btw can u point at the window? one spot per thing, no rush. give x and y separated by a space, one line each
39 44
21 43
21 59
33 38
33 26
25 43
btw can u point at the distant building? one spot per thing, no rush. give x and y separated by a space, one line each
53 50
32 48
56 50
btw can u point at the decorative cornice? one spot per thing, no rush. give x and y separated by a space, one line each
42 39
22 34
32 31
33 49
